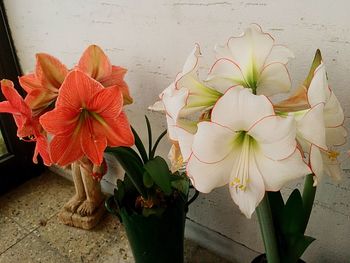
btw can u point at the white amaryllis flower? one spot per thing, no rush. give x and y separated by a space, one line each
333 117
320 121
185 96
246 146
253 61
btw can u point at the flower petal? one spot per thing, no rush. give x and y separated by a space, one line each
206 177
77 90
274 79
92 145
225 74
107 102
249 198
117 131
212 142
278 173
336 136
50 71
331 166
316 163
275 136
279 54
185 131
298 101
311 126
30 82
95 63
174 100
318 90
333 112
65 149
252 47
117 79
60 121
239 109
42 148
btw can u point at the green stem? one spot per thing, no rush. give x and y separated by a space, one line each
309 193
267 230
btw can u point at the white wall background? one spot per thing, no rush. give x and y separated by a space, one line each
153 38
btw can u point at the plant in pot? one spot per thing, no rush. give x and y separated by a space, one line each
230 131
151 202
72 115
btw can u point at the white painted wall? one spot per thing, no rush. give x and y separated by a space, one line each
153 38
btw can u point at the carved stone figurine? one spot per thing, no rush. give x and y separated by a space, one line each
86 207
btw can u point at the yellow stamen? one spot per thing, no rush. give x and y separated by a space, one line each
332 155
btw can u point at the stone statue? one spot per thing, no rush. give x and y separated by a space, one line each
86 207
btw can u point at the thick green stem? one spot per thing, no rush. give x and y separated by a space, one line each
267 230
309 193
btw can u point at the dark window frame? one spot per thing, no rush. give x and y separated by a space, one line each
16 166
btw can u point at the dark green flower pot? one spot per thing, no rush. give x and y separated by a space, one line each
157 239
262 259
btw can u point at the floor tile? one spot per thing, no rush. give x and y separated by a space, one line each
32 250
86 245
10 233
37 200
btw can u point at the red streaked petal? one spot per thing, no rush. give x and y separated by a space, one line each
95 63
42 148
50 71
5 106
29 82
117 79
77 90
93 145
107 103
117 131
22 112
40 99
60 121
65 149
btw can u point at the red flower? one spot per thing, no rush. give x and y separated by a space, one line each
96 64
87 118
43 85
28 126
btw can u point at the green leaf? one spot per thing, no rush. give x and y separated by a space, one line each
153 152
158 169
293 214
139 145
181 184
297 244
147 180
132 166
315 63
149 133
276 204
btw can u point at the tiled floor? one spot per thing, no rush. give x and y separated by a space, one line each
31 232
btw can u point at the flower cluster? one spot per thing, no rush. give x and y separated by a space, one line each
227 130
72 113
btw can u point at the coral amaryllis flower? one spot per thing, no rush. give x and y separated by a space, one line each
87 118
96 64
28 128
246 146
253 61
43 85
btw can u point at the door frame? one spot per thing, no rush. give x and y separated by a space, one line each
16 166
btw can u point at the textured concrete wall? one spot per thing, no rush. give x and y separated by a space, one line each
153 38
